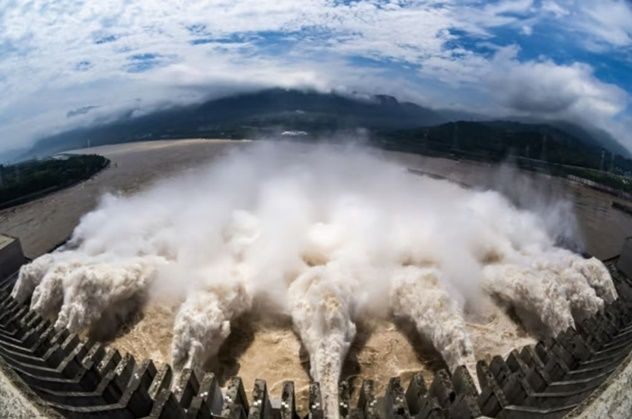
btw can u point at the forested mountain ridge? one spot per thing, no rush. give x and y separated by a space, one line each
400 124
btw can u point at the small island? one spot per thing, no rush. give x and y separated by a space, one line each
29 180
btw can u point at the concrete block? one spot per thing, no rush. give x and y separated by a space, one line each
139 402
124 370
260 407
415 392
516 390
11 255
110 360
161 381
209 400
430 409
166 406
367 402
442 389
464 407
499 368
315 402
344 398
235 402
288 404
135 401
491 400
394 403
463 382
186 387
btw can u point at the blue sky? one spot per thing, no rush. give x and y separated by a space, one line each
67 63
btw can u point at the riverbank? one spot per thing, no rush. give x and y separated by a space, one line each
28 181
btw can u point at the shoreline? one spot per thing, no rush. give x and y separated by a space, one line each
33 196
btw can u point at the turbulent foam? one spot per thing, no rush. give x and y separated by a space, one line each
570 273
203 323
597 277
30 276
532 294
48 297
325 237
553 285
417 295
79 292
321 309
89 291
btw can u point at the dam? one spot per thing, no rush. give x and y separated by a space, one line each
352 391
580 372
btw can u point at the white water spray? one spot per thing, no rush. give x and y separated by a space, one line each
418 296
324 234
321 308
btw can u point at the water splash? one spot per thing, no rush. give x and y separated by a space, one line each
324 236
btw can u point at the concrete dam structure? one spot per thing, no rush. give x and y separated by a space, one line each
582 372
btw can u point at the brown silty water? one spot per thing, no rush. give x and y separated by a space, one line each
268 348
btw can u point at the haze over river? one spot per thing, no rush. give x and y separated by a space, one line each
43 223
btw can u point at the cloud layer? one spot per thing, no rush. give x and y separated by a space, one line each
65 63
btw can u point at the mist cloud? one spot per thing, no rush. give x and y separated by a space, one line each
324 235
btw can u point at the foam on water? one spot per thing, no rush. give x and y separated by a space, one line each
323 237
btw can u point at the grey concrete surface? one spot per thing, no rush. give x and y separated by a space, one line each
612 400
17 400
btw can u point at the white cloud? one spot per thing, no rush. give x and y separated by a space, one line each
59 55
553 7
608 21
540 88
544 88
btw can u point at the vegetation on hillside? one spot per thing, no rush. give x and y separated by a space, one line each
27 180
532 146
555 147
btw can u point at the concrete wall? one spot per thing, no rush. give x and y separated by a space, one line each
613 399
11 256
17 401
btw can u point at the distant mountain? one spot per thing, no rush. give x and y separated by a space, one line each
596 137
273 111
250 114
495 140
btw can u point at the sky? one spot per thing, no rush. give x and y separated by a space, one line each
69 63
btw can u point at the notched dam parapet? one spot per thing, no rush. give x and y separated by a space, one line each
570 374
